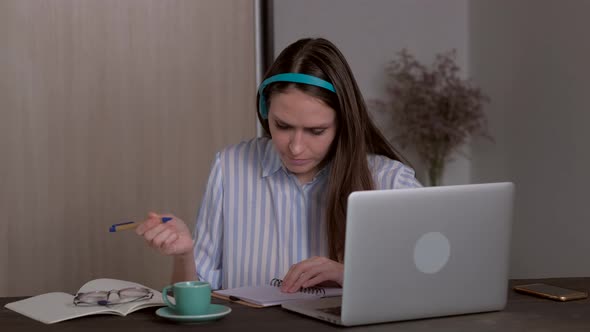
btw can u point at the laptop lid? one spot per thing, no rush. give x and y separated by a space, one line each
426 252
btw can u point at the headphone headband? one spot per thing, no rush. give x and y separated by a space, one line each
289 77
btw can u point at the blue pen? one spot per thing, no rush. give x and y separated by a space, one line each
130 225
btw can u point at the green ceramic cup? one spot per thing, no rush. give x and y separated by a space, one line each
192 297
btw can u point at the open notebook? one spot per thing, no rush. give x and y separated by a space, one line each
271 295
55 307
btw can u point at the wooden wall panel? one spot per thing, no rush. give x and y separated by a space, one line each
110 109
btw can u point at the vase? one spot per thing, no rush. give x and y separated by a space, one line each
435 171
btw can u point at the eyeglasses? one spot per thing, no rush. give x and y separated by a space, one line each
125 295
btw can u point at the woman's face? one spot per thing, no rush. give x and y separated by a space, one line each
302 129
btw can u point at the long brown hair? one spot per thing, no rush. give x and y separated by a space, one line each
356 135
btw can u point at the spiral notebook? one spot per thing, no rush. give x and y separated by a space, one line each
271 295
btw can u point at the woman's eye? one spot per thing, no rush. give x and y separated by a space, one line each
317 132
281 126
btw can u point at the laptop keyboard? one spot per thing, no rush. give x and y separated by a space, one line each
333 310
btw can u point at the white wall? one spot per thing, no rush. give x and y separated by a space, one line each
532 57
370 33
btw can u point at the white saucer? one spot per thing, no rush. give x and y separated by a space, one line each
216 311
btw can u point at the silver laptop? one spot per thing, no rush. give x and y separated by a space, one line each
418 253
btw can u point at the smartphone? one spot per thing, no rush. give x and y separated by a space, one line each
551 292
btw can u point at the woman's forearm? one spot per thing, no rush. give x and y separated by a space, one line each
184 268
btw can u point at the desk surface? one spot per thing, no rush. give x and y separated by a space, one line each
522 313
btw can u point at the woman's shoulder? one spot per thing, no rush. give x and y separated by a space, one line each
258 143
379 163
390 173
246 153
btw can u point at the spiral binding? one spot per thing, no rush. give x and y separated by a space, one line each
308 290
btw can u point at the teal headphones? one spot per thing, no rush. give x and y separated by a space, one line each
289 77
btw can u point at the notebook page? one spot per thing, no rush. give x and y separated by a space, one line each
53 307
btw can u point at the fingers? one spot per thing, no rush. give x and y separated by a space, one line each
161 237
154 231
313 277
169 247
179 246
295 273
311 272
170 238
152 220
322 276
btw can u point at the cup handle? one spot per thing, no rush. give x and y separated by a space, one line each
165 297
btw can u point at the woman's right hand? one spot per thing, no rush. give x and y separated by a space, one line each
170 238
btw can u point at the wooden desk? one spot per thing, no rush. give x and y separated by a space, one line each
523 313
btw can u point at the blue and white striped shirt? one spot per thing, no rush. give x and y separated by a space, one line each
256 219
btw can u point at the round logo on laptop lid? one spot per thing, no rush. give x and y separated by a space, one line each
431 252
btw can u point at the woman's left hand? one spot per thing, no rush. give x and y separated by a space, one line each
311 272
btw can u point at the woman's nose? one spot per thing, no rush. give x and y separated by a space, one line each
296 143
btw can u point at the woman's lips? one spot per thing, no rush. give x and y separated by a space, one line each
298 162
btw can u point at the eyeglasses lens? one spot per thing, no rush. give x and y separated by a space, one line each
133 293
100 298
125 295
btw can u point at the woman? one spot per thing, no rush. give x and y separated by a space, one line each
275 206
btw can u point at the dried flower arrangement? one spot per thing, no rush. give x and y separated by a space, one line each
433 109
